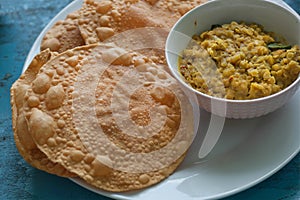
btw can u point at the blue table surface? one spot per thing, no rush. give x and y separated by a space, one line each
20 24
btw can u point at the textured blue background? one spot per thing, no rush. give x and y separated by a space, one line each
20 24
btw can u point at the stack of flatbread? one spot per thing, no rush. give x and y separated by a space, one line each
97 102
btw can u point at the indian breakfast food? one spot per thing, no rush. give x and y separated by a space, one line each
59 109
100 20
103 19
63 35
98 103
239 61
23 139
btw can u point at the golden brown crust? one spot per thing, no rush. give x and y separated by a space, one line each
115 16
47 113
63 131
23 140
63 35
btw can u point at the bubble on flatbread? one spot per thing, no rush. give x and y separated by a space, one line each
103 7
72 127
42 124
104 33
24 142
41 84
55 97
63 35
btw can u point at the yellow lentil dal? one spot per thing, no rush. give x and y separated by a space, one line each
234 61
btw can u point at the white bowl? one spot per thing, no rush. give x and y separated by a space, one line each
274 17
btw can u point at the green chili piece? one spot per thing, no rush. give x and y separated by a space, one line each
275 45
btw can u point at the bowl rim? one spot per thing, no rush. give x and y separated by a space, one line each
186 85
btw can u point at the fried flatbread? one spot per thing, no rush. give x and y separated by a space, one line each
23 139
63 35
142 24
112 117
101 19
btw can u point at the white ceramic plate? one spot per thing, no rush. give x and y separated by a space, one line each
248 151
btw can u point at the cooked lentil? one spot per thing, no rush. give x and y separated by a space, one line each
233 61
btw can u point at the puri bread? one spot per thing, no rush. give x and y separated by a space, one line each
102 19
23 140
132 24
99 20
112 117
105 20
63 35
